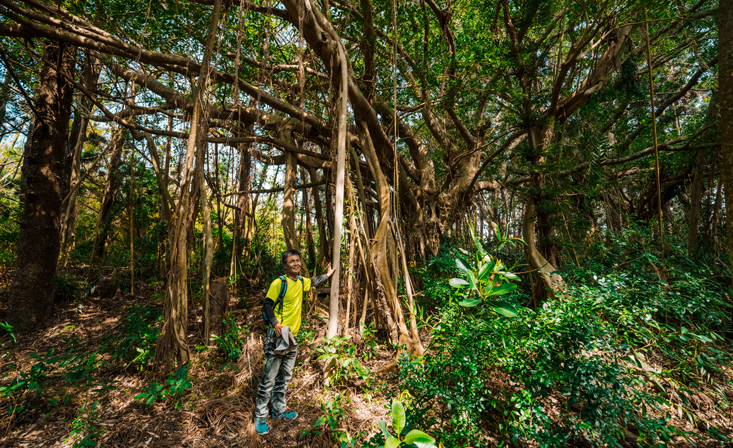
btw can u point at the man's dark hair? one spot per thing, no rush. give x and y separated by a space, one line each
288 253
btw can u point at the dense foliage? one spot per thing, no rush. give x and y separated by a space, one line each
575 368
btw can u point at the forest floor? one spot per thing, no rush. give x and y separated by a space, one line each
218 409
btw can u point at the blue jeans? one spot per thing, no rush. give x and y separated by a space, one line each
277 374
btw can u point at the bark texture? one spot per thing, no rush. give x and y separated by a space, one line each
39 243
725 73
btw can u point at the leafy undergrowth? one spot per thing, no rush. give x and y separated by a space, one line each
631 354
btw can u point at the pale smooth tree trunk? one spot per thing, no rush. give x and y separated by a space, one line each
339 212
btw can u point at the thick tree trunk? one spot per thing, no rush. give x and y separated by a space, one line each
39 243
550 282
382 251
725 81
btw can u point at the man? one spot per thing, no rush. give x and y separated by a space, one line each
279 367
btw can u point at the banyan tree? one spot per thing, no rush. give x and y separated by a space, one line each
401 120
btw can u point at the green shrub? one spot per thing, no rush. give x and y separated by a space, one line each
133 341
561 351
229 343
571 371
339 355
177 385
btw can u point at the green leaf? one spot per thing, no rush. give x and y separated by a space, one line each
508 275
471 279
502 289
418 436
392 443
702 338
469 303
504 309
398 416
461 265
383 427
319 422
486 270
457 282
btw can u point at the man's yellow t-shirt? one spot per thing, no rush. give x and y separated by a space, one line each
292 302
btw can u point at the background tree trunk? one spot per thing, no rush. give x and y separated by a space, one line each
111 187
288 214
243 201
39 243
725 82
320 222
90 74
4 96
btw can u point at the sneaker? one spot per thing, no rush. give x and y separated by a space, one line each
286 415
261 426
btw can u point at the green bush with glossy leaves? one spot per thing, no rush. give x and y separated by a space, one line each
568 372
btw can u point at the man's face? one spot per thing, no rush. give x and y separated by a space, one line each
292 266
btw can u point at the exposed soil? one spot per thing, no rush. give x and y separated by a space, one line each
218 411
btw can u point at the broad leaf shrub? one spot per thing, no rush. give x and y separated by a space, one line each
571 371
548 375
